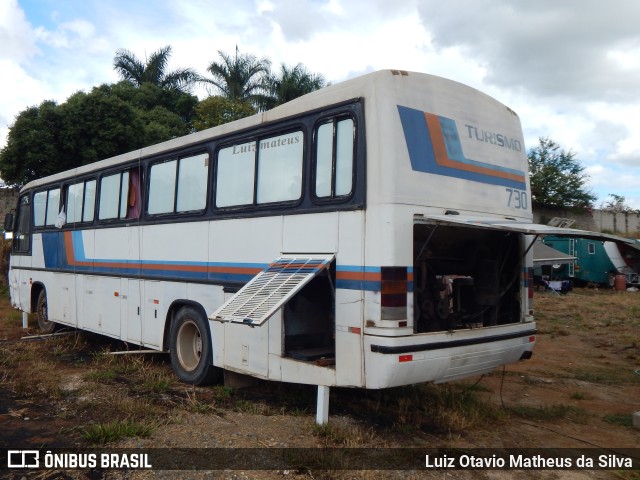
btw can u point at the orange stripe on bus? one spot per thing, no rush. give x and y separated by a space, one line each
442 157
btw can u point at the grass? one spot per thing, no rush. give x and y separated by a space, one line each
102 376
620 419
130 395
157 382
604 376
579 396
551 412
348 435
103 433
423 408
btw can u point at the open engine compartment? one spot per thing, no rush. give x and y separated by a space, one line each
465 277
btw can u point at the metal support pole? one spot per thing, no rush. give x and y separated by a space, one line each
322 408
25 320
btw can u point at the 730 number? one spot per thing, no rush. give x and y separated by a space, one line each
517 199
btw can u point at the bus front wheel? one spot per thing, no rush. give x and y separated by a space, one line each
46 326
191 349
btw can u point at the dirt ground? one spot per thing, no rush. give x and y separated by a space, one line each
578 391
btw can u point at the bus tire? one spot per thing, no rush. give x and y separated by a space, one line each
42 313
190 348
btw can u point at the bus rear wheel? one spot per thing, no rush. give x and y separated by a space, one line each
191 349
45 325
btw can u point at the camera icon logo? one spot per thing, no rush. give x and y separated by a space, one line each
23 459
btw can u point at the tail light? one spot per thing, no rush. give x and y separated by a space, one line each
393 295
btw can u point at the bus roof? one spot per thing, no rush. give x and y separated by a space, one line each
359 87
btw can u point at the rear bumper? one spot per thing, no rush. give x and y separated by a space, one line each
444 356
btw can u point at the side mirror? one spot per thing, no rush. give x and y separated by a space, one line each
8 222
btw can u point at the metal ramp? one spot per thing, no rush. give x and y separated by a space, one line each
270 289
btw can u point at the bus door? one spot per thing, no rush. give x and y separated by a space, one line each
130 285
130 310
21 252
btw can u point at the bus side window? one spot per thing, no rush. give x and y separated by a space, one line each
268 170
236 175
134 199
179 186
39 208
89 204
193 178
22 235
334 154
280 168
80 203
114 196
75 194
46 207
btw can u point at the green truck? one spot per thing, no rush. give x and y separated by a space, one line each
596 261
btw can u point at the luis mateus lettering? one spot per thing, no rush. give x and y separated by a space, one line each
264 144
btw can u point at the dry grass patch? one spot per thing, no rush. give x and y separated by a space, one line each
587 357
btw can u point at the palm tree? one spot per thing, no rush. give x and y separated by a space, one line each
293 83
154 70
242 78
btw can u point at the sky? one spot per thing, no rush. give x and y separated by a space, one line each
570 69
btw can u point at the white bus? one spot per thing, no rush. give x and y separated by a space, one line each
374 233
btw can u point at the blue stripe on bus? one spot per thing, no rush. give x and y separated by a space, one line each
65 251
422 155
370 286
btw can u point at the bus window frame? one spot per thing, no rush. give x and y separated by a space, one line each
29 222
65 190
257 137
335 118
46 189
177 157
140 195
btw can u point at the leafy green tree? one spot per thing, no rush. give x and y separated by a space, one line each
31 144
293 82
148 97
153 70
216 110
108 121
557 178
242 77
161 124
95 126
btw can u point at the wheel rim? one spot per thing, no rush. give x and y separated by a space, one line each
189 345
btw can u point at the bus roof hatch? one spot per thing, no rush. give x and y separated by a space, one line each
271 288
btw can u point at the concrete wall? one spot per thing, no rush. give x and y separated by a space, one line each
8 201
627 224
